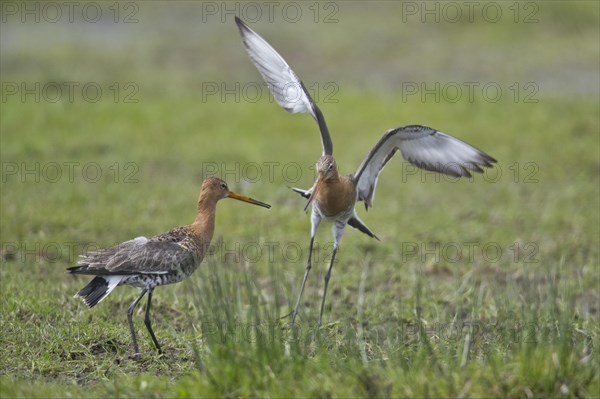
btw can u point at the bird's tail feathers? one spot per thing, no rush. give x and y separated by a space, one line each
98 289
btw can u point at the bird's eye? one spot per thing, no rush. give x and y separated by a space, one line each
223 185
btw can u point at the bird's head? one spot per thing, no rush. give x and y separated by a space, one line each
214 189
327 168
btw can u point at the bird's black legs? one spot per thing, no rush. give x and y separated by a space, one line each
338 231
315 220
136 349
308 266
327 277
129 315
147 321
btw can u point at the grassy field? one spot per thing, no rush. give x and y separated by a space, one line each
479 288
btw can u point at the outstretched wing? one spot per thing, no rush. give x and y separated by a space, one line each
287 89
134 257
425 148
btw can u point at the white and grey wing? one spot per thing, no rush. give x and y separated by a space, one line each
287 89
423 147
281 80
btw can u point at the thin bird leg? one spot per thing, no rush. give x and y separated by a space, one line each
338 231
308 266
315 220
147 321
327 277
129 315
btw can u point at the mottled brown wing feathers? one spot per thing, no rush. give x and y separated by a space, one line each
160 254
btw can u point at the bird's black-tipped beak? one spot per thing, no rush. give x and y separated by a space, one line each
314 192
247 199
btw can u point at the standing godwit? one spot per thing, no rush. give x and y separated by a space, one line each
333 196
146 263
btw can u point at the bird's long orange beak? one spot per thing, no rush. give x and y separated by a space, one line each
247 199
314 193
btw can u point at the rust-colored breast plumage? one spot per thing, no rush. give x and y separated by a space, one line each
336 196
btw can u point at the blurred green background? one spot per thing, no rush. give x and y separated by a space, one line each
163 93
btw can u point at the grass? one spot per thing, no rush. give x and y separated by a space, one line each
516 315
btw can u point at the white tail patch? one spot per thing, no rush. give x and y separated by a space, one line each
98 289
113 282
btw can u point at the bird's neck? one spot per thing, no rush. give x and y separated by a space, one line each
204 224
332 179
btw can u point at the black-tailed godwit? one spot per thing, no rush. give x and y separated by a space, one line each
146 263
333 195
